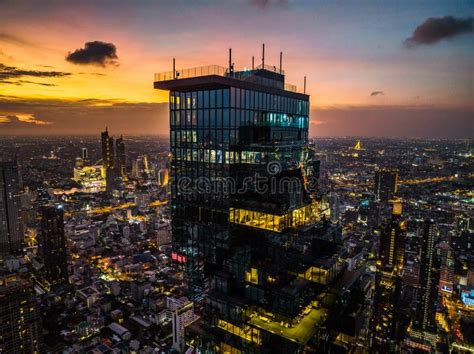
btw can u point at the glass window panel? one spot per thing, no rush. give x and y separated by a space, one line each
212 102
206 99
225 102
232 118
237 98
188 100
206 118
219 118
225 118
232 96
200 99
218 98
212 120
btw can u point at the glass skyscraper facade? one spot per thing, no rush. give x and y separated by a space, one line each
11 229
246 209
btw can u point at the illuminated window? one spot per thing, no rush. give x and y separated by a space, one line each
246 332
252 276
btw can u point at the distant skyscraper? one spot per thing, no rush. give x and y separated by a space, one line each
11 231
388 282
429 279
85 154
385 184
52 245
140 166
20 322
121 157
446 277
107 150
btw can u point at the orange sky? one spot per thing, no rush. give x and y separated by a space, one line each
346 56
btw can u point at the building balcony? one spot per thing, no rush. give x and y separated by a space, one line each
268 76
303 216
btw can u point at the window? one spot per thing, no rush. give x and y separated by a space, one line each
225 98
218 98
206 99
212 103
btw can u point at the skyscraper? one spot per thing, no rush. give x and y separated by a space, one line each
52 245
11 233
20 322
238 230
385 184
113 160
445 255
121 157
388 281
85 154
108 156
429 279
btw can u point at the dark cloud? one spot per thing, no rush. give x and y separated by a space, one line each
13 72
95 53
377 93
266 4
434 29
23 82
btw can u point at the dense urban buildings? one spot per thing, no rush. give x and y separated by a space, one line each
361 274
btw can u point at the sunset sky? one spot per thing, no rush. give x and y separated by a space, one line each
373 68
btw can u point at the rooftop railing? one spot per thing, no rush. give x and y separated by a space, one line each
192 72
207 70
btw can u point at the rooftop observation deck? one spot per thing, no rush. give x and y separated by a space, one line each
269 77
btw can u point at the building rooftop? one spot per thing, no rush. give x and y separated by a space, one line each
267 76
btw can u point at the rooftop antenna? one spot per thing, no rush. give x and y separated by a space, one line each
231 69
174 69
281 60
253 67
304 89
263 56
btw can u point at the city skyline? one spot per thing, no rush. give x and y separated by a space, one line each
75 68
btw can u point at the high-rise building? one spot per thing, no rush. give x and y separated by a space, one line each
385 184
140 166
182 314
244 236
429 279
388 282
20 322
108 155
121 157
11 230
52 245
85 154
446 278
